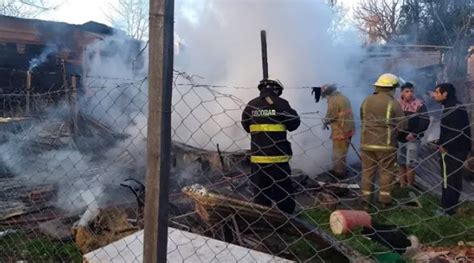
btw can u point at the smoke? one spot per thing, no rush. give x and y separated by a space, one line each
43 57
89 168
223 46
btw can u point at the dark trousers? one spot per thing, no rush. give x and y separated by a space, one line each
272 182
451 173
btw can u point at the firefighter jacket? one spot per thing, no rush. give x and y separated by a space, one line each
268 118
381 117
340 116
455 133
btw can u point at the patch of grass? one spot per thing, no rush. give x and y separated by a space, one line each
355 240
304 250
36 248
430 229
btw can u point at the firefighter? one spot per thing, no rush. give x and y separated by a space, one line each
339 116
268 118
381 117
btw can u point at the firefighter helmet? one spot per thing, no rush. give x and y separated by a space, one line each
271 84
387 80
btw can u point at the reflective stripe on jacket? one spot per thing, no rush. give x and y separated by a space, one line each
268 118
270 159
267 128
381 117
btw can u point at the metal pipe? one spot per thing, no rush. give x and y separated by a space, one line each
355 150
263 37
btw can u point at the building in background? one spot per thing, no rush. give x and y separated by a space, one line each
38 58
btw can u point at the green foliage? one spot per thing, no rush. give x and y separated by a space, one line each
430 229
437 22
426 22
21 246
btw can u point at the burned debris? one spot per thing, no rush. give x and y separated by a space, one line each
242 220
209 189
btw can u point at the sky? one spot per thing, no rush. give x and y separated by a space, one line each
82 11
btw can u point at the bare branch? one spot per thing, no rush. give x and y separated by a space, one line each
27 8
379 19
130 16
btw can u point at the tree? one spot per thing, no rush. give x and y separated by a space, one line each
410 14
426 22
443 23
438 22
379 19
131 16
434 22
26 8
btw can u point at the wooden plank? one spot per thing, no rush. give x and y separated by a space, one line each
214 208
20 37
18 198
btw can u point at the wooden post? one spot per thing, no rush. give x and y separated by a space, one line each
28 92
74 105
160 77
65 84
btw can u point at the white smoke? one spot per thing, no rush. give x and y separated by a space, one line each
89 169
43 57
223 46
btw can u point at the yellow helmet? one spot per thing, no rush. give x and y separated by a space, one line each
387 80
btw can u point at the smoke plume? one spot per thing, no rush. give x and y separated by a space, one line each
49 49
223 46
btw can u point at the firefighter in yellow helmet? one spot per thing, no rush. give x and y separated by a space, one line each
381 116
341 119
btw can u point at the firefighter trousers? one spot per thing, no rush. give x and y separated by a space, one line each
272 182
384 163
451 172
339 156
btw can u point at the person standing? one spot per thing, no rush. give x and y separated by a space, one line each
454 145
268 118
409 140
381 117
341 119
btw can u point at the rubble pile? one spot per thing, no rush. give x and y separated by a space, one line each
109 226
222 203
245 222
16 199
461 253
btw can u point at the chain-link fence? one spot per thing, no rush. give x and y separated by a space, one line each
73 168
